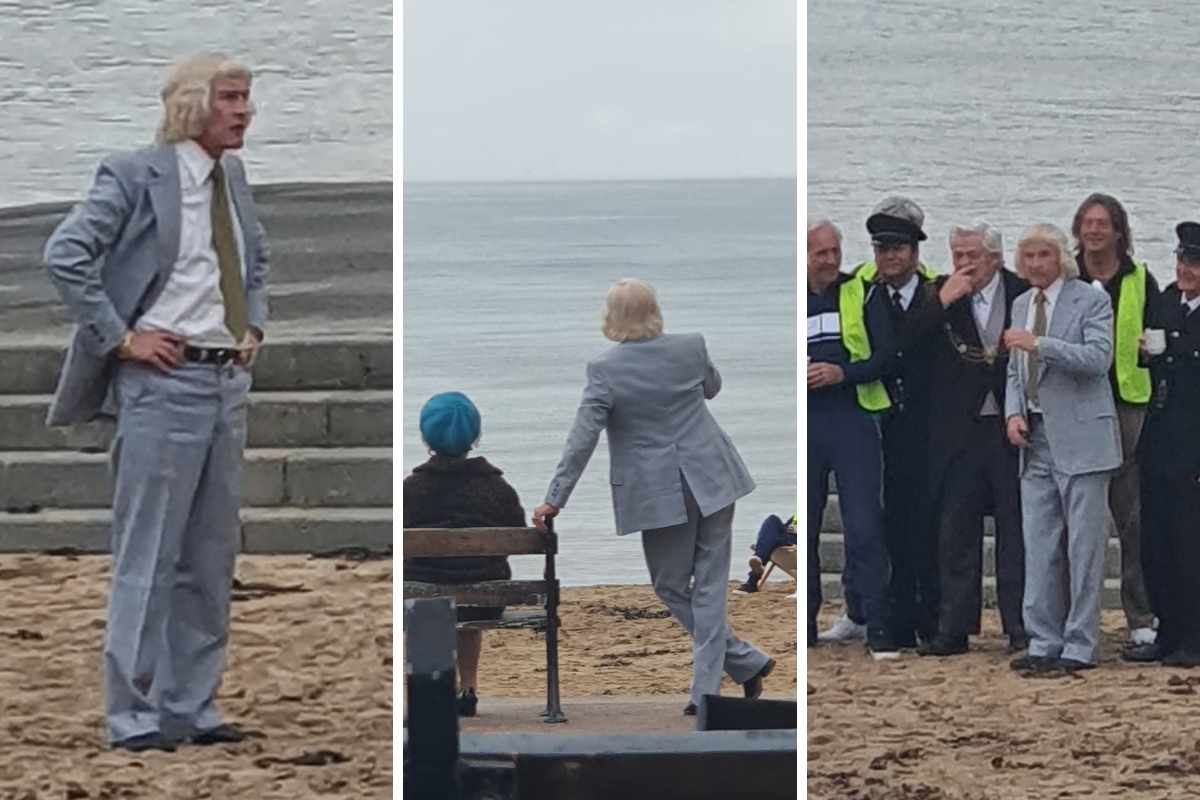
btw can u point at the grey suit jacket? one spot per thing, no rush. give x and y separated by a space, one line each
111 255
649 396
1073 358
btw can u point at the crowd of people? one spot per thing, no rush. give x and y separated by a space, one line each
1057 397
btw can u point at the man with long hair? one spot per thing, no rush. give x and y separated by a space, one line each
1104 254
163 267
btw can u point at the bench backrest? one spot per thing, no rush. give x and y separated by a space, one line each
434 542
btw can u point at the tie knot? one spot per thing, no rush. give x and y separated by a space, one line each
1040 298
217 174
979 298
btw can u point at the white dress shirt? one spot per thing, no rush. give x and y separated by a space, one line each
981 302
190 303
1192 304
907 291
1052 292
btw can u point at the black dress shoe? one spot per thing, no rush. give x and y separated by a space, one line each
944 646
1017 643
1071 665
223 734
689 710
1029 663
467 703
146 741
1181 658
753 687
1141 653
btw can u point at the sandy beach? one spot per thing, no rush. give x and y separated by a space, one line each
310 665
969 728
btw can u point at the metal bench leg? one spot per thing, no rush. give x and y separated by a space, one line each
553 712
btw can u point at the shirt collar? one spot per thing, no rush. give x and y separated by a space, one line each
197 164
1191 304
907 290
988 293
1052 291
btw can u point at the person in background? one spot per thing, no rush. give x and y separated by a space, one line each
771 534
675 476
849 346
1170 466
973 467
1060 413
1104 254
454 490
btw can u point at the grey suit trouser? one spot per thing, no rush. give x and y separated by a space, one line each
177 464
700 549
1065 519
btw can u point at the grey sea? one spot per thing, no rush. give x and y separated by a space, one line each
80 78
503 286
1010 111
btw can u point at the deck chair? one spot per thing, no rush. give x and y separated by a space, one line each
782 557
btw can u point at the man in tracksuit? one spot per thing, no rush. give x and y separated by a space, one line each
849 346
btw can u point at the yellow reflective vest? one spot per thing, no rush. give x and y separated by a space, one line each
1133 382
851 296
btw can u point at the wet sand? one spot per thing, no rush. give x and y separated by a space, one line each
969 727
310 665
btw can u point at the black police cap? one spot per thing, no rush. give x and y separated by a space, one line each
1189 239
886 229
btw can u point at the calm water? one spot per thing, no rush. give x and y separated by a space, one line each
503 285
80 78
1013 111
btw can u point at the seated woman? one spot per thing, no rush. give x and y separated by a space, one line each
773 533
451 490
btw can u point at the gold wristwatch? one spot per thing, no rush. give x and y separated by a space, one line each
125 348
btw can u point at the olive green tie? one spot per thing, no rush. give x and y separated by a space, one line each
1039 329
233 290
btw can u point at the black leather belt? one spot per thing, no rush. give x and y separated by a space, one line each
210 355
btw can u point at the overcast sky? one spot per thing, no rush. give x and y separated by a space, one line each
599 89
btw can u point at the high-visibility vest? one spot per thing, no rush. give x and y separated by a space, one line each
1133 382
868 271
851 296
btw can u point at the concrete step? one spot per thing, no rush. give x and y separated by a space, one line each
831 522
833 555
336 362
348 418
341 477
831 589
264 530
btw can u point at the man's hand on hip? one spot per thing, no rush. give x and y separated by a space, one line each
158 349
249 349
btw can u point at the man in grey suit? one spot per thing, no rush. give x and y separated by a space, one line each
163 267
674 475
1060 412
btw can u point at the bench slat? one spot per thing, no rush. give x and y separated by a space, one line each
537 620
433 542
484 593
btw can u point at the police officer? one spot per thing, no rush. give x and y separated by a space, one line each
849 345
913 594
1169 459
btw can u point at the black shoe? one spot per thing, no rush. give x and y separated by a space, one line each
749 587
905 641
1181 658
223 734
944 646
1071 665
467 703
1029 663
881 647
1141 653
1017 643
689 710
146 741
753 687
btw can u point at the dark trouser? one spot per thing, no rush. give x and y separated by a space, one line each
1124 500
909 532
771 534
1171 557
844 439
982 478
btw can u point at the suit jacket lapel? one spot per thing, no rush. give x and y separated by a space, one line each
1064 309
165 198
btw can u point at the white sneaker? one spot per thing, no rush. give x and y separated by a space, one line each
793 596
1143 636
843 629
885 655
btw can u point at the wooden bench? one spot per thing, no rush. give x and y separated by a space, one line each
434 542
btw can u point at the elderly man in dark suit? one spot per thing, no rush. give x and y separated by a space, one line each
1060 412
973 467
164 268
